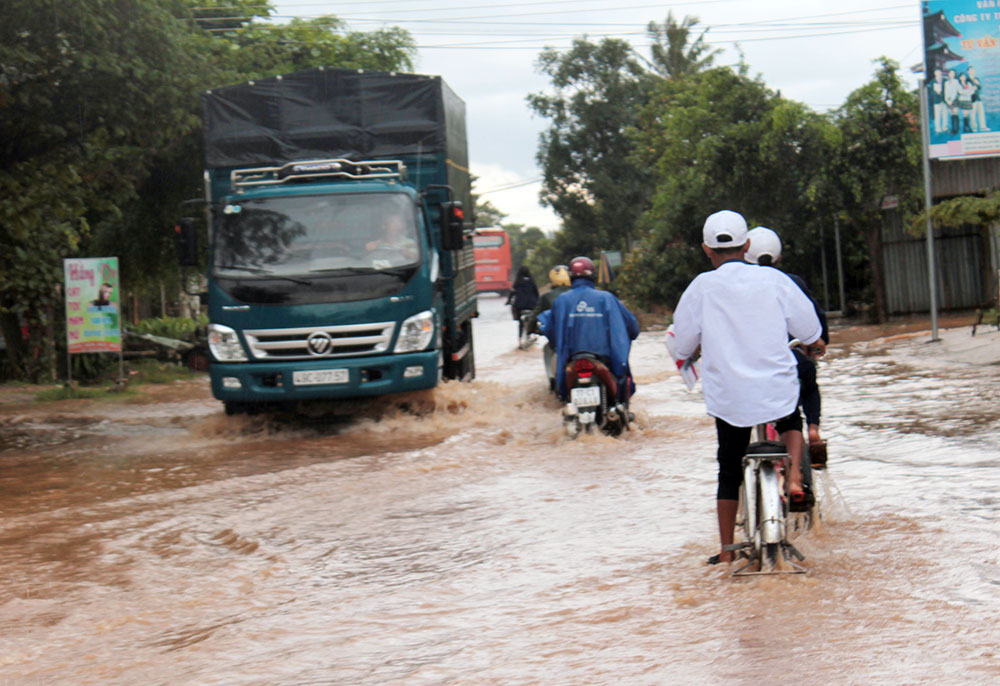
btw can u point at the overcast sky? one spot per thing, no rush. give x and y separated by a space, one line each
813 51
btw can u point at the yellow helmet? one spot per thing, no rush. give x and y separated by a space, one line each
559 275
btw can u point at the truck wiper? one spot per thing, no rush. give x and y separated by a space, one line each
361 270
263 272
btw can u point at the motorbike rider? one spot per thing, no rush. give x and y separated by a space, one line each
585 319
523 296
765 250
559 283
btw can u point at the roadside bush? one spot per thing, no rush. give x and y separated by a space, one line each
170 327
654 275
94 368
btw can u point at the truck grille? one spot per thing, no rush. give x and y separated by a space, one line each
310 343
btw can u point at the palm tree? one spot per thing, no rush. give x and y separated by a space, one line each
673 58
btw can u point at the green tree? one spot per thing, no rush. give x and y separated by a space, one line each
99 132
674 56
216 16
877 155
524 241
89 91
588 179
486 213
260 50
722 140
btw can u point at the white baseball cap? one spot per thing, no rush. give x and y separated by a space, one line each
763 241
725 229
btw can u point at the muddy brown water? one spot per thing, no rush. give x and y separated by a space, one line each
456 537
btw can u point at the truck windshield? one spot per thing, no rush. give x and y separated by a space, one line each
299 235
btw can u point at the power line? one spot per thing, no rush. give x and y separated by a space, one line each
539 40
535 5
576 10
510 186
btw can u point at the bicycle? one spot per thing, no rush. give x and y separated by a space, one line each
764 512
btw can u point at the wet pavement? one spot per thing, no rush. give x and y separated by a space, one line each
457 537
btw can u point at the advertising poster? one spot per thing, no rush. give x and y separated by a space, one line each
962 58
92 307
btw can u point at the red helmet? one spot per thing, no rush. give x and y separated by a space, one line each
581 267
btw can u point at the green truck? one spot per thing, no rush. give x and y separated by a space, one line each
340 264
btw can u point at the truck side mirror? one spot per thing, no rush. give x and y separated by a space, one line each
452 226
186 238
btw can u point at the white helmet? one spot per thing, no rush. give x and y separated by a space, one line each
763 241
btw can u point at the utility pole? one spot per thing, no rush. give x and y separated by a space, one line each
822 256
925 149
840 263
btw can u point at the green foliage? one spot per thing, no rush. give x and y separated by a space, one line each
100 132
674 56
157 372
78 393
877 153
588 179
91 92
486 213
261 50
967 210
658 271
91 368
722 140
531 247
170 327
879 144
105 387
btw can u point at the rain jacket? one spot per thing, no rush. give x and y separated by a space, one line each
585 319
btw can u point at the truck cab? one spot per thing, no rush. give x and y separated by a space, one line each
339 264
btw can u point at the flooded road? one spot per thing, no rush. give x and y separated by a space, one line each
457 537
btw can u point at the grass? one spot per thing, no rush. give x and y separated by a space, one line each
82 393
152 371
139 372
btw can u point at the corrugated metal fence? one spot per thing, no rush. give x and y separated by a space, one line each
961 266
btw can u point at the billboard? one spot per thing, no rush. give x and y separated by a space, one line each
962 84
92 305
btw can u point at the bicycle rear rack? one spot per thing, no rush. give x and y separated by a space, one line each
788 551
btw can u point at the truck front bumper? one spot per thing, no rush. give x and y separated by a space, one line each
275 382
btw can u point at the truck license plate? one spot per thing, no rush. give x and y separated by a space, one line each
586 397
320 376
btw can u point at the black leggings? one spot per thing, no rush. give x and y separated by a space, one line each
733 442
809 397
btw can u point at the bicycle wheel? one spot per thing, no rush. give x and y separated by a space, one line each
770 555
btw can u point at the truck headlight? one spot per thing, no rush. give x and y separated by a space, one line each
416 333
225 344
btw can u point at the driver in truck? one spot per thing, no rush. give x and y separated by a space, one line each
395 243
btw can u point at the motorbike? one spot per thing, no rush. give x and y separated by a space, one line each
593 398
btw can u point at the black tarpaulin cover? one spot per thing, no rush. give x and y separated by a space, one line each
326 113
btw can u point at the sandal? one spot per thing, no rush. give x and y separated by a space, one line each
801 501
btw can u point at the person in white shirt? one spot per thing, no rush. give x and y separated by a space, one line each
937 102
951 88
741 317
